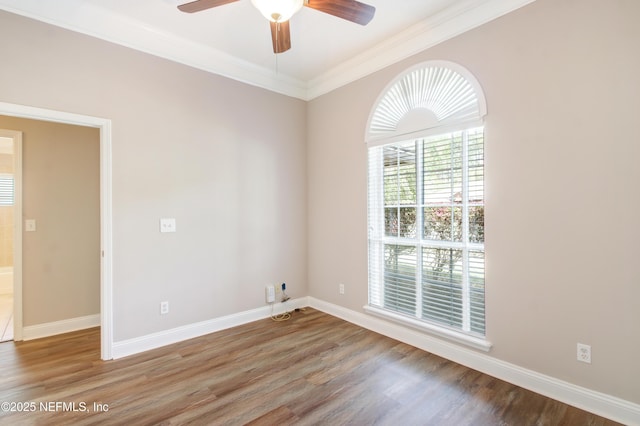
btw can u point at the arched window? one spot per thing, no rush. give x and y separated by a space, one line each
426 202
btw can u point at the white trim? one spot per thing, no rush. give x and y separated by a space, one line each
107 25
106 274
451 22
17 236
98 22
106 240
167 337
460 338
59 327
434 131
604 405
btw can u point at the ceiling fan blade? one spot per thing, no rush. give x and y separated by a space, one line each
198 5
350 10
280 36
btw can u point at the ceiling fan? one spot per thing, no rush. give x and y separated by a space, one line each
278 12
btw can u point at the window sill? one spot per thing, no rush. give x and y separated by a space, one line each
454 336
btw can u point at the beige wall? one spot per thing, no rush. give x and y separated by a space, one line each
227 160
561 83
61 191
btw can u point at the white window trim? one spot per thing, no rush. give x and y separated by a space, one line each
432 329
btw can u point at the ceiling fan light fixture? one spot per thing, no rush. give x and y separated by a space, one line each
278 10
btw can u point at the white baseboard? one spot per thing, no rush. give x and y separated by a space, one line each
595 402
59 327
178 334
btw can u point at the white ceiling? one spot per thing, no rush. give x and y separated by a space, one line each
234 40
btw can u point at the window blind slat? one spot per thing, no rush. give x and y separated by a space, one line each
6 190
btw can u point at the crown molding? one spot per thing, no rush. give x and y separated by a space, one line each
455 20
106 25
115 28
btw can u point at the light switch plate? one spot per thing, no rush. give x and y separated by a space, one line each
168 224
30 225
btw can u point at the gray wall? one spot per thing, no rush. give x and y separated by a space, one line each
227 160
560 79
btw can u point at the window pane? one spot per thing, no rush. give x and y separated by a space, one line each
442 285
443 188
443 170
476 186
400 278
391 222
476 224
476 283
443 223
400 222
400 175
476 166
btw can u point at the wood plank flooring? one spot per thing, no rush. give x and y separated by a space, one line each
314 369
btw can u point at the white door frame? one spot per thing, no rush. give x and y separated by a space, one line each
106 266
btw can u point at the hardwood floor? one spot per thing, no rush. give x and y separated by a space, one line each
314 369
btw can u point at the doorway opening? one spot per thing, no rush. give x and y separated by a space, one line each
106 308
10 241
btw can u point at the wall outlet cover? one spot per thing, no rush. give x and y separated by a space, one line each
584 353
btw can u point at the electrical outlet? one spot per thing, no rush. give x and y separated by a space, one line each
270 294
584 353
164 308
341 288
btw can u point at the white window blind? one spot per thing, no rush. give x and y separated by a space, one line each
426 229
6 190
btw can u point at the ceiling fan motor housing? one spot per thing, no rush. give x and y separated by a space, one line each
278 10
